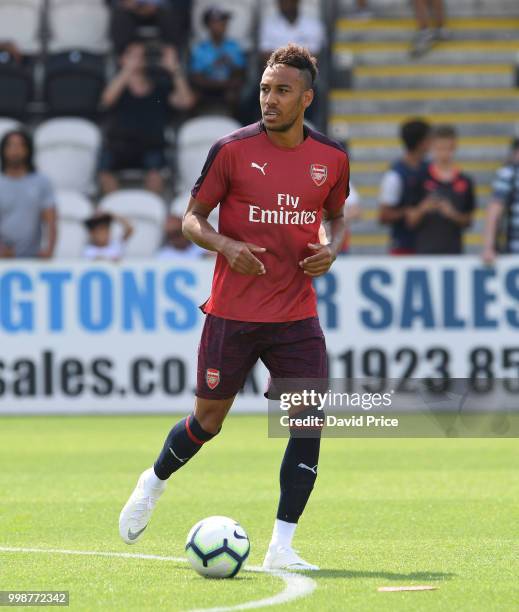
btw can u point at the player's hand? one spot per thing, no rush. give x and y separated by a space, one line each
320 263
240 256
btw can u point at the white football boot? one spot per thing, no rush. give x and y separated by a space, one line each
285 558
136 514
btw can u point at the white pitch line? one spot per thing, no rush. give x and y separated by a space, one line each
296 585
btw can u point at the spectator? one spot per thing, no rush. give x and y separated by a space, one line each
445 200
362 10
399 185
27 205
101 245
289 25
129 15
503 206
176 246
430 20
286 25
139 104
218 64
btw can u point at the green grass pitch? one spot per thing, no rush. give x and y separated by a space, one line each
384 512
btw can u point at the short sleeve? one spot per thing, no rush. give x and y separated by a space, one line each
503 183
213 184
390 189
47 199
236 54
198 59
340 191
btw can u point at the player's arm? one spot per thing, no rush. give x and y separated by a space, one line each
240 255
325 254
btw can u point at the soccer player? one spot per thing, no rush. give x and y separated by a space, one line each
274 180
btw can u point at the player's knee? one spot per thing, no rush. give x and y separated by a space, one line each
210 421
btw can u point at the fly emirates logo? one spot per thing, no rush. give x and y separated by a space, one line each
285 214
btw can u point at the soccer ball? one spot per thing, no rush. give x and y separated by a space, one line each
217 547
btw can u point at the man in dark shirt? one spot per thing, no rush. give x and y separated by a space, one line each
445 200
139 106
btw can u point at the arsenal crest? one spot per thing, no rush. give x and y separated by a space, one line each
212 378
318 172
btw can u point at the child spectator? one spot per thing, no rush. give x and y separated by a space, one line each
445 200
101 245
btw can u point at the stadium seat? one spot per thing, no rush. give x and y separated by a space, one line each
16 86
6 125
145 211
241 25
72 208
20 24
79 24
195 138
66 151
74 81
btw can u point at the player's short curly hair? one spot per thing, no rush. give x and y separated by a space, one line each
297 57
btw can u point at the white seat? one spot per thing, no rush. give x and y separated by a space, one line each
72 208
79 24
241 24
7 124
20 23
66 151
145 211
195 138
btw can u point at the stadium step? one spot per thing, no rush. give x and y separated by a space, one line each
469 148
467 8
459 28
391 53
423 101
445 76
369 173
352 125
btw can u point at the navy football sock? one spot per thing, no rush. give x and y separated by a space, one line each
182 443
297 477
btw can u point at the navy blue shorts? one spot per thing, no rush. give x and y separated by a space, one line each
229 349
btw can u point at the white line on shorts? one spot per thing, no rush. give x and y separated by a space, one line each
296 585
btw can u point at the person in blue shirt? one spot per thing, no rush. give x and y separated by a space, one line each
217 66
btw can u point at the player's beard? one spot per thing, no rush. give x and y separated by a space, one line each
286 126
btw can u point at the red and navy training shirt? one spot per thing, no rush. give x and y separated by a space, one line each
273 197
